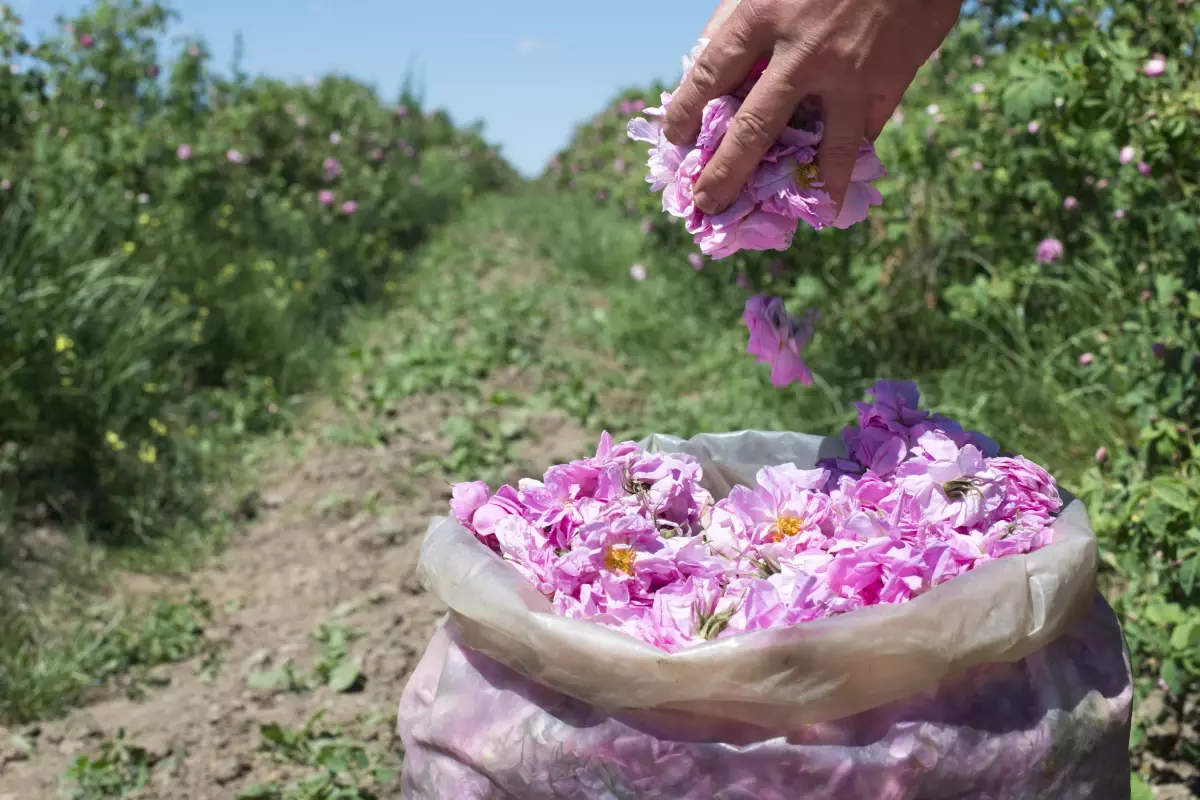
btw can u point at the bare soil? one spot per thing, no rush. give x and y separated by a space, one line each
336 537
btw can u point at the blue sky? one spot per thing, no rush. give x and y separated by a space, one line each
531 69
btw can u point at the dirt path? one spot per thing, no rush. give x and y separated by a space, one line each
335 542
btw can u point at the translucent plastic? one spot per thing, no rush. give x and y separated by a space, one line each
1011 681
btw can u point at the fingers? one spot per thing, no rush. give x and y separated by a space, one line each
845 122
724 10
741 40
755 127
879 113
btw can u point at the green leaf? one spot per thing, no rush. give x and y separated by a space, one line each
1187 573
1164 614
275 734
1141 789
1172 675
1174 492
1184 633
270 679
344 676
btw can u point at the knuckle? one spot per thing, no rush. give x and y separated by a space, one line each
752 129
703 77
756 13
716 175
839 154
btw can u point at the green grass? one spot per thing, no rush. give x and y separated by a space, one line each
544 286
46 665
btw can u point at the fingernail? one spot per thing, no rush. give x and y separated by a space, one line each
706 202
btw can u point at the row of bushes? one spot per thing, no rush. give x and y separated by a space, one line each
177 246
1077 122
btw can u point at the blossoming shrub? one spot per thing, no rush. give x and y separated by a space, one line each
177 245
1037 241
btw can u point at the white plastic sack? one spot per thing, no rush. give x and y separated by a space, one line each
1011 681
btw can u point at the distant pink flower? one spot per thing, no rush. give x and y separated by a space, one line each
153 71
778 339
977 60
401 111
1119 213
1143 168
335 138
414 180
5 185
325 197
1127 154
977 88
1102 183
1049 250
1086 358
619 165
743 280
377 154
696 260
1034 126
1155 66
193 51
647 225
183 152
349 207
333 168
637 272
1101 455
1146 295
236 157
86 41
977 165
1069 202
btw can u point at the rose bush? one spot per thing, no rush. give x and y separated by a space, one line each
1036 246
177 247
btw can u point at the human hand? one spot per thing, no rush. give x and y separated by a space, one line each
857 57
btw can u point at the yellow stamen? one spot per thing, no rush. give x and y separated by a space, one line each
806 174
786 526
619 558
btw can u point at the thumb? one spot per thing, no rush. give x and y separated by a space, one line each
844 124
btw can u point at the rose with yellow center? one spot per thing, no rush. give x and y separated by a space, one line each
619 558
785 527
806 174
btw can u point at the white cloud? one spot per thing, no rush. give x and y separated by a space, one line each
529 44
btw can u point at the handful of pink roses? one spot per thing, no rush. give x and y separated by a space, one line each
634 541
784 191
